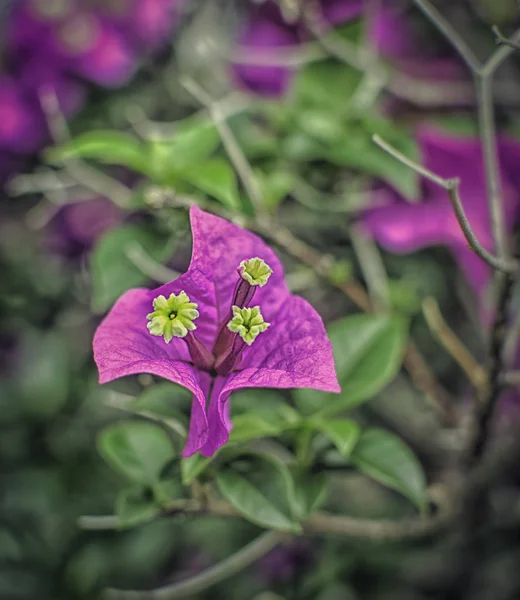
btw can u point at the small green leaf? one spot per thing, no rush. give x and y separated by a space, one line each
326 85
368 351
275 186
135 506
192 467
164 399
196 139
252 504
309 492
137 450
343 433
113 271
107 147
384 457
253 426
217 178
357 150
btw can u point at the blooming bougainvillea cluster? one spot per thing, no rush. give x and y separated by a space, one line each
63 45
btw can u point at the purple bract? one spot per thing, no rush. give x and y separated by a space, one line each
267 29
402 227
212 361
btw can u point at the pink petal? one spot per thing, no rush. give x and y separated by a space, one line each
123 346
218 249
294 352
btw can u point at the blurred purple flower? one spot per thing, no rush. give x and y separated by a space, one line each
285 562
22 128
402 227
266 29
77 226
54 44
145 23
400 40
292 349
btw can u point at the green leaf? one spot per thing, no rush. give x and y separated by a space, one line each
309 492
275 186
252 504
384 457
192 467
357 150
196 139
325 85
217 178
113 272
136 449
368 351
107 147
253 426
261 413
135 506
343 433
44 373
164 399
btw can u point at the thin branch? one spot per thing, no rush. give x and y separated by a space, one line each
454 346
373 268
452 188
138 256
86 176
487 129
485 410
501 40
511 378
235 153
449 32
426 382
319 523
208 578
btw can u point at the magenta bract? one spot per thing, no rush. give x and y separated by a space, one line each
294 352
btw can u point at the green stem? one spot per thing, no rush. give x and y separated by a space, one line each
189 587
304 448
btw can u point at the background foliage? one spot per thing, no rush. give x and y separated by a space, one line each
98 206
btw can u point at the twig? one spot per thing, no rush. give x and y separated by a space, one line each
511 378
454 346
485 410
483 74
401 85
449 32
426 382
206 579
452 188
233 149
88 177
138 256
501 40
319 523
372 267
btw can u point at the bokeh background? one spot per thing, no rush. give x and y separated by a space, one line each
92 97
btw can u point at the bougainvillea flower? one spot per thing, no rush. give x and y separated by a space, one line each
214 331
402 227
269 29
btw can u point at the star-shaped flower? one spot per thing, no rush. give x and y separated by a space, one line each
226 341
